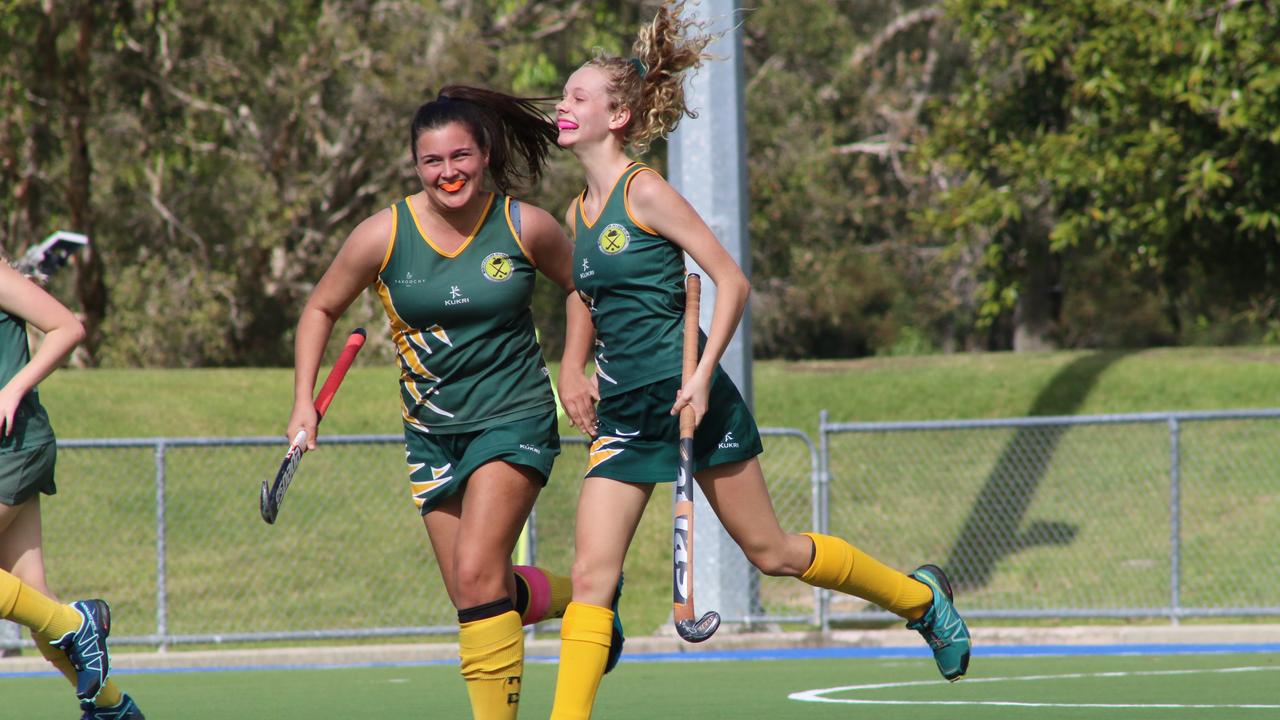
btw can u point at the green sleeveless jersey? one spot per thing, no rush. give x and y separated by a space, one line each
30 424
461 324
632 279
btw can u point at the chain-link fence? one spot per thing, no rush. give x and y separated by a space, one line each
169 530
792 470
1145 515
1157 515
790 464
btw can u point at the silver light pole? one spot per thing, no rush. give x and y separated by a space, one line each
707 164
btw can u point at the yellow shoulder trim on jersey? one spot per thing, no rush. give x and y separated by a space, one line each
484 215
391 241
582 204
579 211
627 203
512 227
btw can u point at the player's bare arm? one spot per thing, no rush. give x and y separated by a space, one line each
552 251
548 247
656 204
578 393
22 298
352 270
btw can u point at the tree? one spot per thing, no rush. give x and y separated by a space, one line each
235 144
836 100
45 154
1141 131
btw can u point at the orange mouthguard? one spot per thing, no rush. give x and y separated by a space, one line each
454 186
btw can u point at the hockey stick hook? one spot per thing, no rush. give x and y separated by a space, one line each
696 632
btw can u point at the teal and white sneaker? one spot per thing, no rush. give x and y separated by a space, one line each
126 709
618 638
86 647
941 626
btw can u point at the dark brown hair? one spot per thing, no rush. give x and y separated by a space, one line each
514 131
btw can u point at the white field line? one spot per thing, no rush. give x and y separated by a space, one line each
819 695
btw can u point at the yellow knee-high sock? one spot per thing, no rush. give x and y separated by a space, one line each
540 594
585 635
492 655
837 565
109 694
22 604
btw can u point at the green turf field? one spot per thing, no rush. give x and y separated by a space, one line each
1218 687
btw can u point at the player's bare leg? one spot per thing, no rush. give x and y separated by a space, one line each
544 595
21 554
737 493
473 537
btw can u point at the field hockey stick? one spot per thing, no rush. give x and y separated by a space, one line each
273 496
682 556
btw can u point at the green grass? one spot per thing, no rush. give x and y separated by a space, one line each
350 552
144 403
1012 385
740 690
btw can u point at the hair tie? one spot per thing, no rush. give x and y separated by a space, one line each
639 65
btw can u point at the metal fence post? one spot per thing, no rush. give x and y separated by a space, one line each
822 511
10 638
527 547
707 161
531 550
162 598
1175 519
815 499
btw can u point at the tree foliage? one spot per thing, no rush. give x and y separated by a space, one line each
235 144
923 174
1141 132
836 100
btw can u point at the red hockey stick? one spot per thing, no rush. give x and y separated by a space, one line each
273 496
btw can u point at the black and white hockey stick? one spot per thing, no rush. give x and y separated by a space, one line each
687 627
273 494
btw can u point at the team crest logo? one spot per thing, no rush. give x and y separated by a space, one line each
497 267
614 239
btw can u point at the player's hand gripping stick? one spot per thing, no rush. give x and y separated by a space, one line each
273 495
687 627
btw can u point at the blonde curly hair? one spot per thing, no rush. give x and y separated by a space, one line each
651 83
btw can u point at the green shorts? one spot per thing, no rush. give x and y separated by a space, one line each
27 472
439 464
638 436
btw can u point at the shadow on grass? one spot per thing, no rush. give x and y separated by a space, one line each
994 528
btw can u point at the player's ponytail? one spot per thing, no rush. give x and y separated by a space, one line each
515 133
